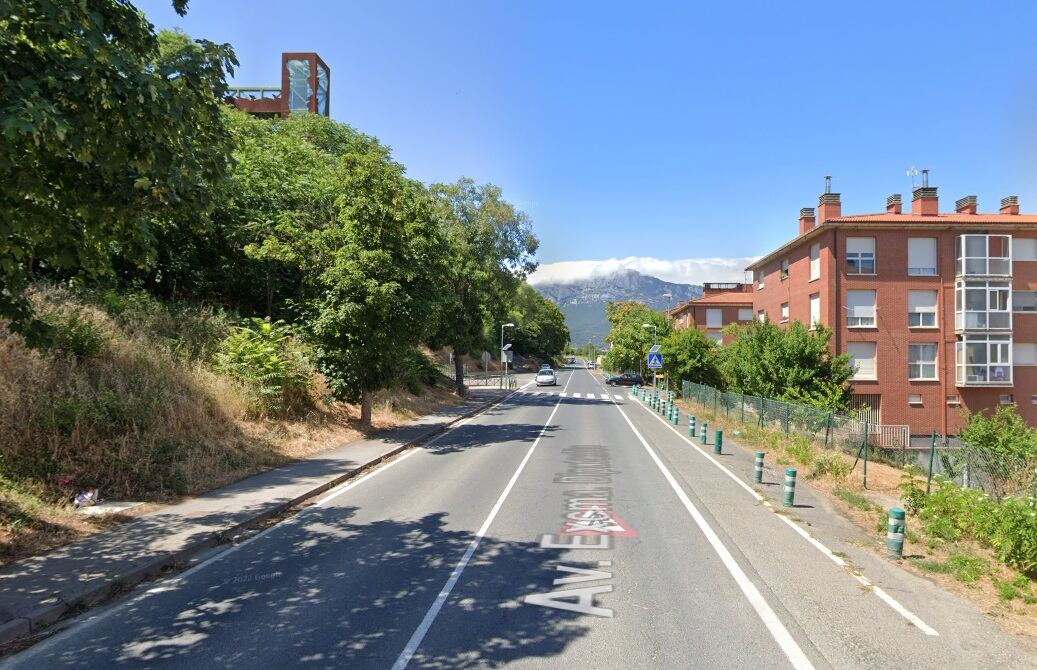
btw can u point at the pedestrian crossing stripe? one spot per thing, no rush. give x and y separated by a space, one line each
576 395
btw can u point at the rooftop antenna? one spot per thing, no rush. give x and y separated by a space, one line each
912 172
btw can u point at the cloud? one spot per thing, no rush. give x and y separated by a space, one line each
686 271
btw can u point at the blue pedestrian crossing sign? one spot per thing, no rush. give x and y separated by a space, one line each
655 361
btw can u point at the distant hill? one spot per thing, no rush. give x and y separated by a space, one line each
583 302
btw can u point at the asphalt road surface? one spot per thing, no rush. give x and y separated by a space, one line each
567 527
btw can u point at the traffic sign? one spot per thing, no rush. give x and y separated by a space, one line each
655 348
486 357
655 361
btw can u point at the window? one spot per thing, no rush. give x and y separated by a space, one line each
1024 301
982 305
1024 353
860 255
921 361
298 85
759 278
921 256
716 337
862 357
983 358
953 400
745 313
921 309
1033 400
761 315
1005 399
860 309
914 399
785 269
322 90
784 312
983 255
815 261
714 317
1024 248
815 309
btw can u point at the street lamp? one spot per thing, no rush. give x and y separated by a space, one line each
669 298
503 360
655 340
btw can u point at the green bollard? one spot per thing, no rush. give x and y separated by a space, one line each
758 468
718 441
705 432
676 416
895 533
691 426
790 487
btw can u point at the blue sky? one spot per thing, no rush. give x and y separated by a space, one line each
668 131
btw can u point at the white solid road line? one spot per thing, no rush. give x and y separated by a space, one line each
777 629
430 616
885 597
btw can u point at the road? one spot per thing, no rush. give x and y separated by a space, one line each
567 527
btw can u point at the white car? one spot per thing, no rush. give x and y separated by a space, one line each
546 377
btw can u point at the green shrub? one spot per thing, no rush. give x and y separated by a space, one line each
967 569
418 371
832 465
187 331
800 449
272 366
855 500
1006 590
74 335
1012 532
931 566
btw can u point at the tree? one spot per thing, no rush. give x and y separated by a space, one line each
540 329
628 337
689 355
1004 447
793 364
491 250
101 131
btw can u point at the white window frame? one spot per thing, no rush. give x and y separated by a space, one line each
918 252
1024 304
1024 353
857 374
861 316
761 315
815 310
914 398
925 313
717 312
784 272
784 312
919 366
860 262
996 312
815 261
745 313
761 276
992 365
973 256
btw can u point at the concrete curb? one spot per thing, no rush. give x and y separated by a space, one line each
98 591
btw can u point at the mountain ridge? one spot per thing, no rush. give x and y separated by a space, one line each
583 301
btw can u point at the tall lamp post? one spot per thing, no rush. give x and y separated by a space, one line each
503 360
655 340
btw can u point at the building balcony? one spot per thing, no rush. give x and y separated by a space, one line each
983 360
982 305
983 256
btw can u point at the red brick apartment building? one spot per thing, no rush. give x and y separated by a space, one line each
719 305
938 311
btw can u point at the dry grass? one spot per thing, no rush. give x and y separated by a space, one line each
139 420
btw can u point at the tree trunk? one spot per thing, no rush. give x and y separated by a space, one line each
459 375
365 409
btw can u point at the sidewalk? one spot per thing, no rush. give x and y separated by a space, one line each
40 590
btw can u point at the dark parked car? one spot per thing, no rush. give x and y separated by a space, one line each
625 379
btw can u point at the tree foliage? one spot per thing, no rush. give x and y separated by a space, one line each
793 364
688 355
540 330
490 251
628 337
1004 447
101 131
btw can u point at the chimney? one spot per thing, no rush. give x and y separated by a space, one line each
806 219
966 205
893 204
1010 204
923 199
828 205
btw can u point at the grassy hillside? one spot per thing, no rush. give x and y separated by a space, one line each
129 400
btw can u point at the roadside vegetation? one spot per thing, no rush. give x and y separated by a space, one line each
189 294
